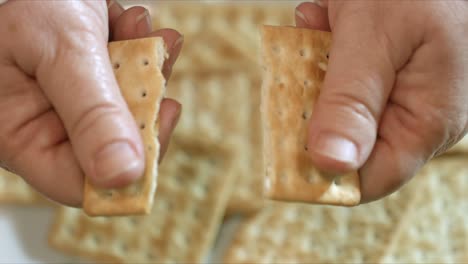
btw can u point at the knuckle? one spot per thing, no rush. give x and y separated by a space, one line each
92 117
355 106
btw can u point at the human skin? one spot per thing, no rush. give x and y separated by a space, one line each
61 112
396 89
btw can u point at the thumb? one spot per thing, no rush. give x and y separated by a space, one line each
359 78
79 81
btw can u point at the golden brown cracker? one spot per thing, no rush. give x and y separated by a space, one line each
295 62
193 189
137 67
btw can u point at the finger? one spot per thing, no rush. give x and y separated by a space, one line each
114 11
33 141
79 82
174 41
168 118
343 126
134 22
416 124
312 15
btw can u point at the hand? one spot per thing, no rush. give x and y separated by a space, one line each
61 112
396 90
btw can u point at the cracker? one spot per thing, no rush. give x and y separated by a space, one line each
299 233
436 229
295 61
14 190
137 67
223 107
223 38
193 189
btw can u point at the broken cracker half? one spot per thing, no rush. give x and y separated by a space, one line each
137 67
295 61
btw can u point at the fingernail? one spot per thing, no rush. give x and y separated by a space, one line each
177 117
301 16
319 3
143 22
336 147
109 5
117 160
178 43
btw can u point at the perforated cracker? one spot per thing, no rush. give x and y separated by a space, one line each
436 229
223 41
14 190
298 233
193 189
137 67
295 63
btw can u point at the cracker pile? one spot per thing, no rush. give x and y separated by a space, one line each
214 169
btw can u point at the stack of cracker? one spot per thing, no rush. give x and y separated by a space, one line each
214 168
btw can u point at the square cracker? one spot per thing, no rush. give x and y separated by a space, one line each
300 233
193 190
295 62
137 67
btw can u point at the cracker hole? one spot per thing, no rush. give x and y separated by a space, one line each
96 240
196 213
123 247
143 94
276 49
132 222
304 115
283 177
150 256
328 55
142 126
108 193
302 53
306 148
116 65
306 83
337 180
145 62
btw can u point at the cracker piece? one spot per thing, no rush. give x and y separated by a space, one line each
137 67
14 190
299 233
193 189
295 61
436 229
223 40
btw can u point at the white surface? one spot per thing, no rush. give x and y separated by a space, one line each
23 236
24 231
